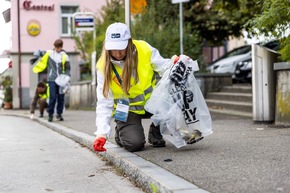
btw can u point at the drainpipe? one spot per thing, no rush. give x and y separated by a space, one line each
19 55
127 13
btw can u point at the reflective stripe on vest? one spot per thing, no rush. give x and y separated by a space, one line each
138 98
63 60
141 91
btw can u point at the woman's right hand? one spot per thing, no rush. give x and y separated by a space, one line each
175 59
99 143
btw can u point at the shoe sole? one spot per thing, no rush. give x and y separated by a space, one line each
59 119
162 144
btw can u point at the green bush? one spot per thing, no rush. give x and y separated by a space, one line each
8 92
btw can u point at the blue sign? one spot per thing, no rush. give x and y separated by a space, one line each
84 23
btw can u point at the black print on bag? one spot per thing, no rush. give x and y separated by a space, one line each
180 94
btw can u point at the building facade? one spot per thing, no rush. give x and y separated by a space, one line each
35 26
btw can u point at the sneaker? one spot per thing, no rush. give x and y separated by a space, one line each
50 118
155 138
59 117
41 115
194 137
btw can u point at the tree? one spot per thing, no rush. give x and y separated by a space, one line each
157 22
84 45
137 6
161 32
273 22
218 20
159 26
114 11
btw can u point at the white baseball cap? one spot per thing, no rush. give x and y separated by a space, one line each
117 36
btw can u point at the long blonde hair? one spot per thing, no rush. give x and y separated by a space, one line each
129 69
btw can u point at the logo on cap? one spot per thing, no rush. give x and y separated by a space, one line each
116 35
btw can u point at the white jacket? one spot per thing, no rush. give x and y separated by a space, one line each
105 106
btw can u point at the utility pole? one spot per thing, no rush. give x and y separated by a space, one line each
180 22
85 21
127 13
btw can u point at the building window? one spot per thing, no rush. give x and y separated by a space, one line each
67 20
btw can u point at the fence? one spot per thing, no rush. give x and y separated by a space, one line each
83 94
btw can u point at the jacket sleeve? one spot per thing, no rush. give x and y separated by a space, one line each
159 63
104 108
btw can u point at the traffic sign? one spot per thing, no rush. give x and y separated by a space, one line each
179 1
84 23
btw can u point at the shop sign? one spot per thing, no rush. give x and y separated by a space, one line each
28 5
33 27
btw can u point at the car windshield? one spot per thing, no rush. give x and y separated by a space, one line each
237 51
273 45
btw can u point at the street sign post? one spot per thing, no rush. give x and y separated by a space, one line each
127 13
85 21
180 22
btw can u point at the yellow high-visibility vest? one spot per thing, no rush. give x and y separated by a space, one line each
42 64
139 92
45 95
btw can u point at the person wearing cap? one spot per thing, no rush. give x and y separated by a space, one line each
125 81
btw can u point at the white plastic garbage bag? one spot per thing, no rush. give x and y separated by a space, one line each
177 104
63 81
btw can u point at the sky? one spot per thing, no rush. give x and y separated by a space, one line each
5 28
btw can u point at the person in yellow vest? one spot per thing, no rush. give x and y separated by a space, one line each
41 97
56 62
125 81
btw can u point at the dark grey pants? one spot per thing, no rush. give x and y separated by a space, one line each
130 134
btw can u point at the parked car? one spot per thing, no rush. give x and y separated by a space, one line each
237 51
229 64
243 71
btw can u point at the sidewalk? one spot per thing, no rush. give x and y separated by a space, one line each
36 159
238 157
